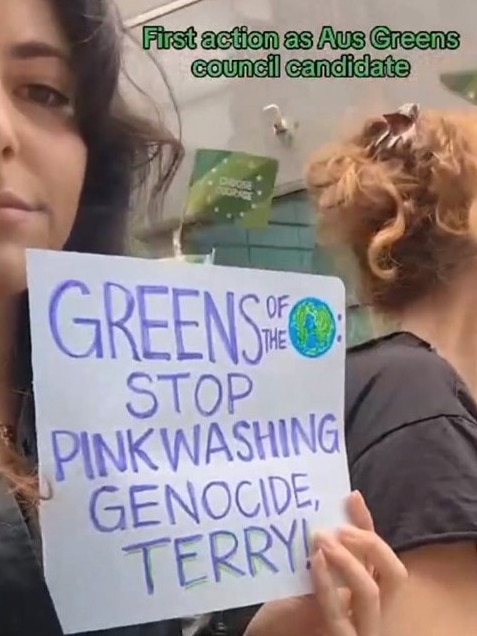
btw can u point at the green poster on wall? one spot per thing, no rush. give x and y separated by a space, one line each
463 83
231 187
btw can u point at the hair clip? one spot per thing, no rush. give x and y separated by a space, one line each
400 127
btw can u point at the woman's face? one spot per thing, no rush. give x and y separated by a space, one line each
42 156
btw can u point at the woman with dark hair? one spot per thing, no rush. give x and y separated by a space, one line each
71 157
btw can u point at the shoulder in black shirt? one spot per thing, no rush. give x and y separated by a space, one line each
411 428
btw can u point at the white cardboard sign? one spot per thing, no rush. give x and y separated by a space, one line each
190 424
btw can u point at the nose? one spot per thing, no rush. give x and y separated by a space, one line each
8 134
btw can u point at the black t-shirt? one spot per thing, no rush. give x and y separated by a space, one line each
411 436
411 429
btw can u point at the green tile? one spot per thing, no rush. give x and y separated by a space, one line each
305 215
289 243
283 211
219 235
307 261
232 256
275 236
277 259
307 237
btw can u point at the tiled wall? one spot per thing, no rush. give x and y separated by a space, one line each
288 243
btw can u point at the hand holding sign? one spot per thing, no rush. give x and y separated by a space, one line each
190 422
357 608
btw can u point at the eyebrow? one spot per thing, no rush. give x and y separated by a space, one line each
33 49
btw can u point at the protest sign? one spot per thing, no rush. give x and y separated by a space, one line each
190 425
231 187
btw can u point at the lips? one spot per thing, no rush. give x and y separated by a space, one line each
9 200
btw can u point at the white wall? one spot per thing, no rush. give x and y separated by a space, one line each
228 113
132 8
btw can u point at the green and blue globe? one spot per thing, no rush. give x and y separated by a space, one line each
311 327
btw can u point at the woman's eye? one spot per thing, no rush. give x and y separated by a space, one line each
46 96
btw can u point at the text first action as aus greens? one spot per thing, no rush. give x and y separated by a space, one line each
164 39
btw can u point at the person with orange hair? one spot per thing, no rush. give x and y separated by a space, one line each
401 197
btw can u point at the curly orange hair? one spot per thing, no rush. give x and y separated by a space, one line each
407 217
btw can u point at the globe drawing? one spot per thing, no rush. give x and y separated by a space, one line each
311 327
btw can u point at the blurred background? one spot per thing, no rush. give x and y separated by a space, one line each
228 114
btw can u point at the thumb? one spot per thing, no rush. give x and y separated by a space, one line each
358 512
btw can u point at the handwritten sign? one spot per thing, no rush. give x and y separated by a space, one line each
190 425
